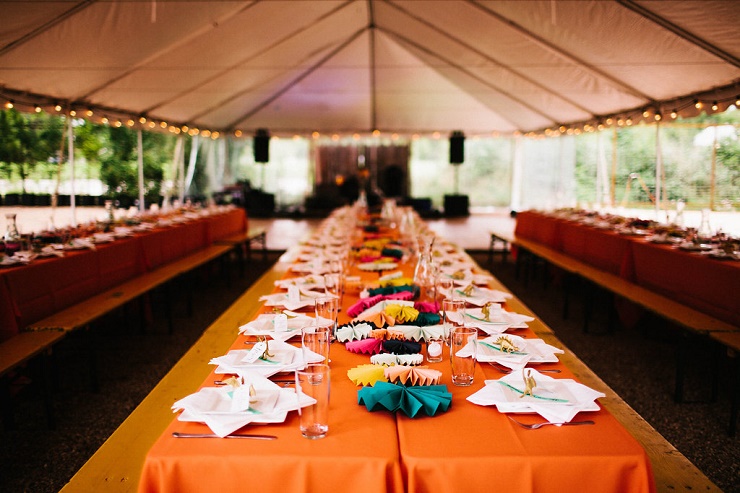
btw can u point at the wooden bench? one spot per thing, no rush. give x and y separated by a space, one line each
84 314
689 319
244 241
17 351
117 465
88 311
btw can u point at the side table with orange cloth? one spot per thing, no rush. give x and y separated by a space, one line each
32 292
706 284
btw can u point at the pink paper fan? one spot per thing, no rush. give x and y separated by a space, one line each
365 346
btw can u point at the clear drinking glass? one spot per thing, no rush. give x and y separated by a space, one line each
314 383
326 312
463 344
316 339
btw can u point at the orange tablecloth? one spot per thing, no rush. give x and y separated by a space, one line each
469 448
30 293
703 283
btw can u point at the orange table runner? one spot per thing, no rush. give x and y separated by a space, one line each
468 448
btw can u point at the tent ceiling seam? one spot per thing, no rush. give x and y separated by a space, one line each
490 59
680 32
207 28
45 27
562 53
245 60
295 81
372 63
472 76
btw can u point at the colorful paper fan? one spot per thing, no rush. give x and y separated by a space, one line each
427 306
366 374
402 313
416 333
380 319
365 346
412 375
393 289
401 347
363 304
388 359
357 331
409 400
425 319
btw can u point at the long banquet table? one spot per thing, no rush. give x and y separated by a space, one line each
32 292
468 448
703 283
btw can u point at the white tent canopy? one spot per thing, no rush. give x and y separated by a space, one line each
355 66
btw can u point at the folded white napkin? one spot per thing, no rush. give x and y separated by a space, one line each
556 400
226 409
480 296
529 351
282 299
498 323
286 357
264 325
310 282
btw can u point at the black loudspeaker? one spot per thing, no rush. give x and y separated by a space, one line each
261 146
457 147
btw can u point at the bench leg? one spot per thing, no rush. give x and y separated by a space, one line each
734 395
681 349
92 355
168 308
6 403
46 389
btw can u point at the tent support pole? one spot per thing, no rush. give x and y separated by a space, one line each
658 170
713 177
71 153
140 159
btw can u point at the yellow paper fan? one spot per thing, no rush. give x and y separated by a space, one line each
402 313
366 374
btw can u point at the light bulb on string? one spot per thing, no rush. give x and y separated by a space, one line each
9 105
674 114
715 106
698 105
57 107
37 109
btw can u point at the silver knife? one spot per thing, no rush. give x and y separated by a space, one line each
178 434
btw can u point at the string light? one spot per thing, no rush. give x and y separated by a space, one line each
9 105
151 124
142 120
89 112
435 135
715 107
57 107
37 109
376 133
698 105
163 124
237 133
658 117
130 122
72 113
104 120
674 114
646 114
315 135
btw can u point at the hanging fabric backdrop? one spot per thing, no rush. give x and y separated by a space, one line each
377 168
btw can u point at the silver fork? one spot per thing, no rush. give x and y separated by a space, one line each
536 426
504 369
